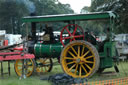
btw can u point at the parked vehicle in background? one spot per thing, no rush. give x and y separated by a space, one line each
13 39
122 46
122 38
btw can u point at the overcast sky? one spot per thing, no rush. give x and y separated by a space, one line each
77 5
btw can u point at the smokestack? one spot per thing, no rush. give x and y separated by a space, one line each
33 28
33 14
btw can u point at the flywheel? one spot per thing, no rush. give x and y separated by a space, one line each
80 59
74 32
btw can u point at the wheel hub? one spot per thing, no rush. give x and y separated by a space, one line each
78 60
71 37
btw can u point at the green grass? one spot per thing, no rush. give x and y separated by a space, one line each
123 72
35 79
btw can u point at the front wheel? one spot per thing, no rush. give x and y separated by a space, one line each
80 59
29 64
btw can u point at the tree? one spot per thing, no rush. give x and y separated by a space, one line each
10 16
50 7
85 9
118 6
13 10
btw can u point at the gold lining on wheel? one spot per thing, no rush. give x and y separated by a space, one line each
29 65
78 60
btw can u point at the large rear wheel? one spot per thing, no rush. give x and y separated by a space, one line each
80 59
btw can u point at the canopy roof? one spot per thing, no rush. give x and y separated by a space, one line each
70 17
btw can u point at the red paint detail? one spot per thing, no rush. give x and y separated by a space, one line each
71 34
18 48
5 43
15 56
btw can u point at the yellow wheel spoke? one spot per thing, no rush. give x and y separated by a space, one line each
88 66
83 50
46 63
43 61
68 58
84 69
29 63
88 57
70 63
85 54
78 50
80 72
72 54
72 67
76 68
19 69
74 50
89 62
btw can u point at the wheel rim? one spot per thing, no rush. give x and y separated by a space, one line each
72 34
79 59
29 65
44 65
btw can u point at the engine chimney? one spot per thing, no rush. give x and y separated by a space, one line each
32 38
33 28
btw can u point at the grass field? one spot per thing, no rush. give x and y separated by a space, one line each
35 79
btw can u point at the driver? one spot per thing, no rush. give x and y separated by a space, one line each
48 36
107 35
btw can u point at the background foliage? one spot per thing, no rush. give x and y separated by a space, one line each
118 6
13 10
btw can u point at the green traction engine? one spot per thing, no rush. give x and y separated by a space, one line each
78 52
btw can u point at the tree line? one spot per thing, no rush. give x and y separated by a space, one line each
118 6
13 10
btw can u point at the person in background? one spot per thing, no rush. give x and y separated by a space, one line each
107 39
